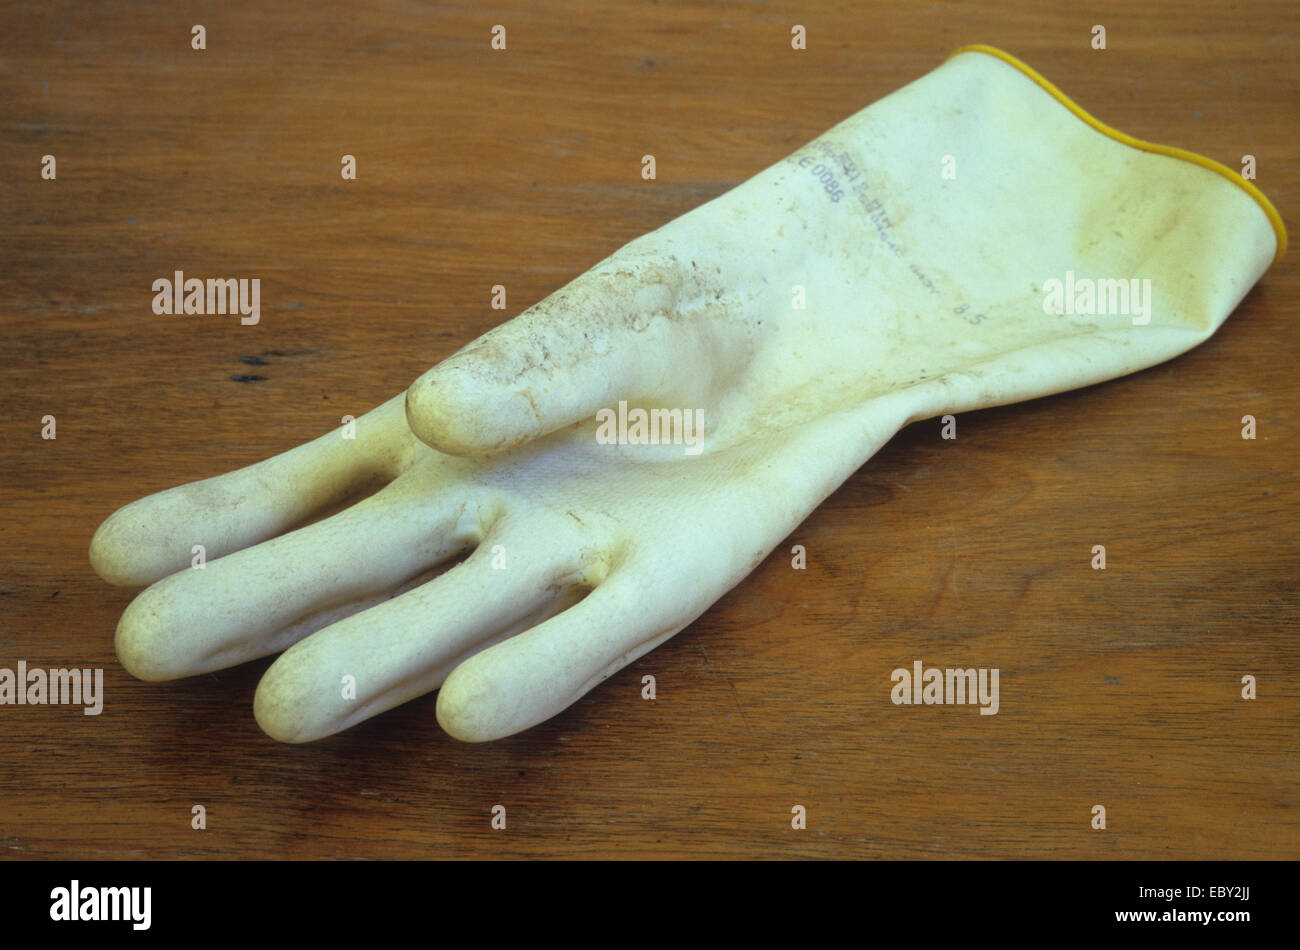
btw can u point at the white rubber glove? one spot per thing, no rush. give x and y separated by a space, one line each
922 234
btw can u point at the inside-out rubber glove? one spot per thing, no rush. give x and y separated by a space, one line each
971 240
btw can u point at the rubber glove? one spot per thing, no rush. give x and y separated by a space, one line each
958 244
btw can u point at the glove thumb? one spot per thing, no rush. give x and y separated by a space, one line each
616 333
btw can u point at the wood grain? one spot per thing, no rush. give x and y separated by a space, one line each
1118 687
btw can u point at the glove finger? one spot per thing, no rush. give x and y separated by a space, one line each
258 600
614 333
527 679
404 648
154 536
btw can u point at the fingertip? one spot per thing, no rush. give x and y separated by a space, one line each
103 555
433 407
146 640
452 410
280 708
468 710
118 551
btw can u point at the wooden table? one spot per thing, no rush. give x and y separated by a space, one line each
1118 687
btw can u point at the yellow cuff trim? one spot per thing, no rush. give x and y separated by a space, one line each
1279 229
